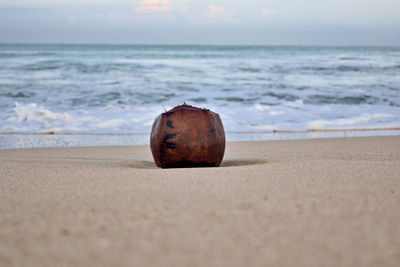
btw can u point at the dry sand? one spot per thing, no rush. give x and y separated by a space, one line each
326 202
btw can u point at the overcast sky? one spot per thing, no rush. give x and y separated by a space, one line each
293 22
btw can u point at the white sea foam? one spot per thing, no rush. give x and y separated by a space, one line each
36 118
265 127
363 119
148 123
108 107
110 123
260 107
295 104
36 114
276 113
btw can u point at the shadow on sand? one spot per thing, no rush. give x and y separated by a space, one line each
225 163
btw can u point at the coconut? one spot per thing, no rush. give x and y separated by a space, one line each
187 136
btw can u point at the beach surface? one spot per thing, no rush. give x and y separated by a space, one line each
321 202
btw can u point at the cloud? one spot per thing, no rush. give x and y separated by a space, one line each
218 14
181 6
153 6
63 3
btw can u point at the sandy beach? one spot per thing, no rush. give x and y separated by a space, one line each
321 202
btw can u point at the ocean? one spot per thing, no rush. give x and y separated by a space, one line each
120 89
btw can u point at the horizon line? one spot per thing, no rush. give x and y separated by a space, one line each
197 44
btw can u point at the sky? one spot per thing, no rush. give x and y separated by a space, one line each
246 22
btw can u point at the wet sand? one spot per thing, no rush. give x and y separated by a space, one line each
322 202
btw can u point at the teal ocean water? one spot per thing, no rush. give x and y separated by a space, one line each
120 89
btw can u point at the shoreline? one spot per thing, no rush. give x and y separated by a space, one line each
363 129
35 140
315 202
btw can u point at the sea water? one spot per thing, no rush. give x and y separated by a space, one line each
120 89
